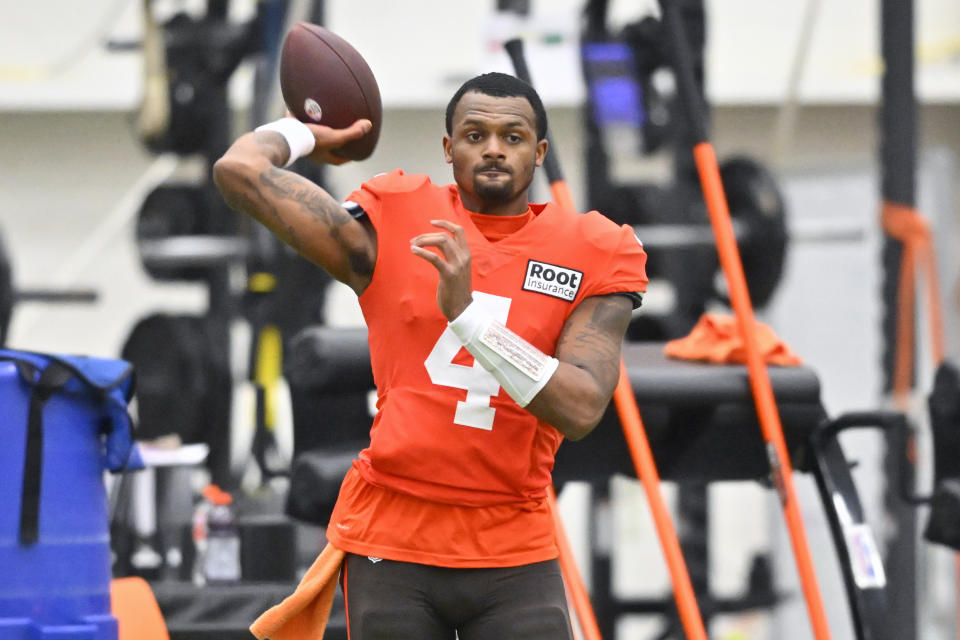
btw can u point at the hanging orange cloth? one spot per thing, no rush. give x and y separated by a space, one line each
716 339
303 615
905 224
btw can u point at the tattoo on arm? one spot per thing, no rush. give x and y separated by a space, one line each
595 346
298 211
264 211
273 145
276 183
321 206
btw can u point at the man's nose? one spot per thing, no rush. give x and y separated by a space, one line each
493 148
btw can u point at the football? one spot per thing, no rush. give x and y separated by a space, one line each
324 80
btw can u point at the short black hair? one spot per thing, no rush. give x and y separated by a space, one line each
501 85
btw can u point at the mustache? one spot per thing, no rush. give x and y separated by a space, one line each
492 167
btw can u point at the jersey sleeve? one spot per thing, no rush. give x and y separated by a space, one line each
369 199
626 268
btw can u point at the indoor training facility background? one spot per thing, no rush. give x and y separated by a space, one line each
73 174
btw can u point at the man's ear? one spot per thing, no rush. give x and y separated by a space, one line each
541 151
447 153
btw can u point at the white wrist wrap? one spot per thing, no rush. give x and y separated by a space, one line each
520 368
299 138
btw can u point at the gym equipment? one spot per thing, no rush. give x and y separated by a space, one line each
10 295
863 570
634 433
897 154
943 527
268 549
706 162
224 612
187 62
758 216
631 112
906 250
64 422
639 447
702 427
182 234
185 231
877 602
324 446
183 379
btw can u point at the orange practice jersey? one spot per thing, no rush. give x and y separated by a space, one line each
445 431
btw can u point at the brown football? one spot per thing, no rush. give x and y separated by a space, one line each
324 80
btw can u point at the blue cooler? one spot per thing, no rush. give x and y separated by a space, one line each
63 422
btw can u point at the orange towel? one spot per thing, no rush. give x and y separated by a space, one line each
303 615
716 339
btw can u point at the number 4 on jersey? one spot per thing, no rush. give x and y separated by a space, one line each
474 411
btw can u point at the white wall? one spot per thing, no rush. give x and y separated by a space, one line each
52 54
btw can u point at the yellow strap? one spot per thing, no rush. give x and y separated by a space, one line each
268 369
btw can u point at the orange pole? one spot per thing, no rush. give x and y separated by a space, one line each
767 411
571 574
642 455
561 195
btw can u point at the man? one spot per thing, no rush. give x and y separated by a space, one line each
495 328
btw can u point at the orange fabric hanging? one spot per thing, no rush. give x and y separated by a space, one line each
303 615
717 339
905 224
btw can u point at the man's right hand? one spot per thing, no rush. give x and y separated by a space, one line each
251 177
329 140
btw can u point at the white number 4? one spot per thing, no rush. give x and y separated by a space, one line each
475 411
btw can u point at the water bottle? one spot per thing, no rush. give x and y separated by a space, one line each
221 562
198 528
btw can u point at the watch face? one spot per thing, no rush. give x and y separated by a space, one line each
222 560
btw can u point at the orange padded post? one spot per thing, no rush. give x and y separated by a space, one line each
571 575
770 426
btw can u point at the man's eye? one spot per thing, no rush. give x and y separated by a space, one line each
514 138
473 137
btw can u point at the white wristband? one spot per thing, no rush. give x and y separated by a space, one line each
520 368
300 140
